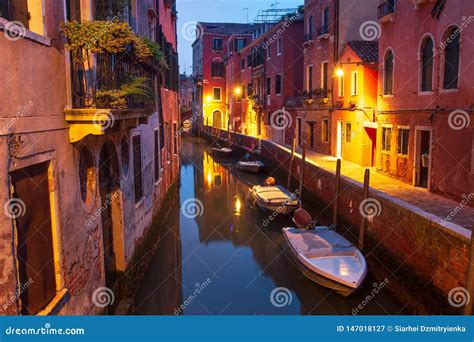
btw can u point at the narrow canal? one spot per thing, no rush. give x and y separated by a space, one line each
222 259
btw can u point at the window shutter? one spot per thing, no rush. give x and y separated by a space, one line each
18 10
4 9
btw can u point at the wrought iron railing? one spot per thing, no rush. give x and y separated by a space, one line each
308 37
317 93
323 30
111 73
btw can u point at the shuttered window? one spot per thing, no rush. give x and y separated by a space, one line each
15 10
137 167
217 69
157 157
427 57
386 139
451 59
388 74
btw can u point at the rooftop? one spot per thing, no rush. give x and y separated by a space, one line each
367 51
228 28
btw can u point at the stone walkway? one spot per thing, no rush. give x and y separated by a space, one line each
423 200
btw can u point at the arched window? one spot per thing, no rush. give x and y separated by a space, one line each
388 73
427 57
451 58
217 68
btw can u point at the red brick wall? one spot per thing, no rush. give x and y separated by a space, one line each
411 249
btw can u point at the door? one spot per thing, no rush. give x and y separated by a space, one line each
423 158
369 146
310 133
35 254
217 119
107 185
299 132
339 140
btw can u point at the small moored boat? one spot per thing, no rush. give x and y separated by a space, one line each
221 152
275 198
250 166
327 258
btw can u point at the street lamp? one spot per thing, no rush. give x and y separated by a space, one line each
208 98
339 72
238 91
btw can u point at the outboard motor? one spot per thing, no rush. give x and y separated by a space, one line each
303 219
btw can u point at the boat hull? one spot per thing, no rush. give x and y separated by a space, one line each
318 275
250 168
223 154
339 288
280 206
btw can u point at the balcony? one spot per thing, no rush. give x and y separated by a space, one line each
319 93
308 39
320 96
386 11
123 90
258 103
323 32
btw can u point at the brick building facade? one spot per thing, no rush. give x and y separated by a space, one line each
81 180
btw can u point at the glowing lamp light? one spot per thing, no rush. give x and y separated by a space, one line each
208 98
237 90
339 72
209 179
238 206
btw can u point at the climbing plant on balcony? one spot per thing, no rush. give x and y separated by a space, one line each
117 98
114 43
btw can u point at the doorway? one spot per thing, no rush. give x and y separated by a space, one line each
217 119
310 133
299 132
339 139
422 157
109 186
369 147
35 249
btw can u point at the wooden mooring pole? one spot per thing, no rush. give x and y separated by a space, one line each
363 223
470 277
336 193
290 169
302 167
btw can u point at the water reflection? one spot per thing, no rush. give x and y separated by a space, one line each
229 245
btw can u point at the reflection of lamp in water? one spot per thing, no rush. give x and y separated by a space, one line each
238 206
209 179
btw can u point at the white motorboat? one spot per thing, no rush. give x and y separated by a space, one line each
275 198
250 166
327 258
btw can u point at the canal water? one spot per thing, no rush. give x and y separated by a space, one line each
219 255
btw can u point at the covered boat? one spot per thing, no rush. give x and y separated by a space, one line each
327 258
250 166
275 198
221 152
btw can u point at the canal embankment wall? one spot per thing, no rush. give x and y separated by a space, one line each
423 260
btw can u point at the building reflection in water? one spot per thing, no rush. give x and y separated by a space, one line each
229 245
